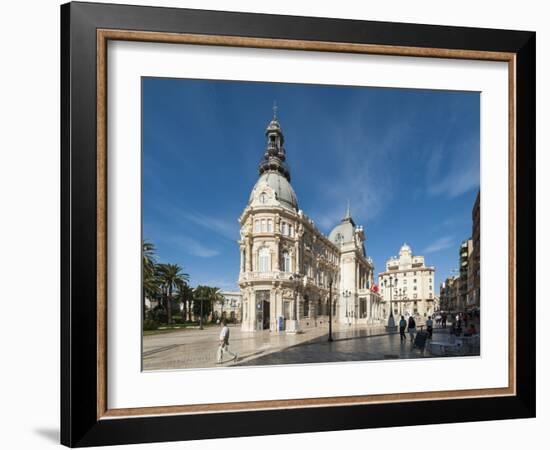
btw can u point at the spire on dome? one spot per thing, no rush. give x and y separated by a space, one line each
275 155
348 212
347 217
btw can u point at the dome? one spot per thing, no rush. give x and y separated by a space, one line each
343 232
405 249
280 185
274 125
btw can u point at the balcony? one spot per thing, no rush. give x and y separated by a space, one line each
267 276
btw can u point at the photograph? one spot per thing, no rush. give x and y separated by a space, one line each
288 223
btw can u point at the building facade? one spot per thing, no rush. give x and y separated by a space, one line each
473 265
408 284
290 272
449 294
465 253
229 308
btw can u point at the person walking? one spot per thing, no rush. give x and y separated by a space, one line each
430 327
412 328
224 343
402 327
444 320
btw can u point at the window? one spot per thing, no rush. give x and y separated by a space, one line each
269 225
286 262
263 197
363 308
257 226
284 228
415 280
404 281
264 260
306 308
264 226
290 231
414 288
286 310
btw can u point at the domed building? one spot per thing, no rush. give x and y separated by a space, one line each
408 284
289 271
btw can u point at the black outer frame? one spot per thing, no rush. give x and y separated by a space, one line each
79 424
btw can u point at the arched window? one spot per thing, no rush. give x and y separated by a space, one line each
287 266
263 197
264 260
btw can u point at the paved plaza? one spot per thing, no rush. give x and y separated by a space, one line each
193 348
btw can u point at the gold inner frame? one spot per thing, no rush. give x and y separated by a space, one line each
104 35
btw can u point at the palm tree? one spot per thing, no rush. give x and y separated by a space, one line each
151 287
185 297
171 277
208 295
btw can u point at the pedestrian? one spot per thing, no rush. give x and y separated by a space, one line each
430 327
444 320
224 343
465 320
412 328
402 327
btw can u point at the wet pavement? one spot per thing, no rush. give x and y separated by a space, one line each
188 349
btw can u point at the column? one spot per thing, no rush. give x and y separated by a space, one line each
249 255
277 266
296 267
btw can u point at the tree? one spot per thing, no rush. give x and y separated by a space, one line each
209 296
172 278
185 297
151 284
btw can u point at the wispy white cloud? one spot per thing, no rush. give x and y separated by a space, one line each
457 182
223 227
363 171
460 173
442 243
194 247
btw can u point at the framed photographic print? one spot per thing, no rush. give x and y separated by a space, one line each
292 224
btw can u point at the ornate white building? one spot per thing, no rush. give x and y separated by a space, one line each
230 307
290 271
409 284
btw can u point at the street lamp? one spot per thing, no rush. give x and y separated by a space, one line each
391 320
346 294
330 308
296 280
200 318
399 301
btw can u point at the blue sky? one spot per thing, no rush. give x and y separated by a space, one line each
407 160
